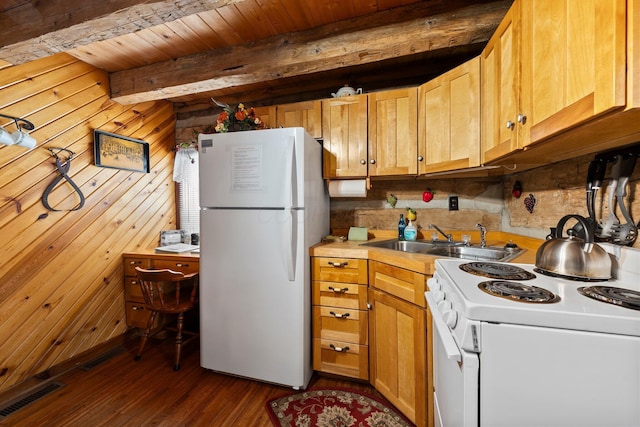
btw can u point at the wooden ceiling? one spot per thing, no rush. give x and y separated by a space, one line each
260 52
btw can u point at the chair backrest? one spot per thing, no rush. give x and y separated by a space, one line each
168 290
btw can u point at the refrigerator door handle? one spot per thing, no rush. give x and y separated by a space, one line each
290 243
289 177
291 240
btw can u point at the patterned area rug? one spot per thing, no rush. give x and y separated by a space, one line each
332 408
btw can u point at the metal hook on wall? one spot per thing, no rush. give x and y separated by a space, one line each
26 123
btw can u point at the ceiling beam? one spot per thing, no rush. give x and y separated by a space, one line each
346 43
35 29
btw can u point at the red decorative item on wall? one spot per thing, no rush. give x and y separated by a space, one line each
427 196
517 190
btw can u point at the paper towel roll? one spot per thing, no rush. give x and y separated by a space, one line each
348 188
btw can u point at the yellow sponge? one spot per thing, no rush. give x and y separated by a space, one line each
358 233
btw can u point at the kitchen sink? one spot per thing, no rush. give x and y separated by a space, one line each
414 246
449 249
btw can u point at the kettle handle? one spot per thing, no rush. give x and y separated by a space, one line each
588 231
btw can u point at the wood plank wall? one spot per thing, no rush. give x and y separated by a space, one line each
61 277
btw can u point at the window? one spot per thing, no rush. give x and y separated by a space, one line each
185 173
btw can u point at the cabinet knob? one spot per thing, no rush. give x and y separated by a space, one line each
510 125
363 162
420 158
339 349
522 119
373 162
339 315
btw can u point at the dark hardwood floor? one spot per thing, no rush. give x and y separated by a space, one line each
121 392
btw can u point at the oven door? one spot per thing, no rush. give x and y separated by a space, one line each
455 377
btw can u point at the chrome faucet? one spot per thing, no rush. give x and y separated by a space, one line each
448 236
483 235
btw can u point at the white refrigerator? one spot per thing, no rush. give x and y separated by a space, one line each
263 204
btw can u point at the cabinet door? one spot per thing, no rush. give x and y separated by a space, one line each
393 132
398 354
499 88
301 114
573 63
344 130
449 120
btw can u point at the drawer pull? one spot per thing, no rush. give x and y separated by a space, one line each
338 264
181 265
338 315
136 308
135 262
338 290
339 349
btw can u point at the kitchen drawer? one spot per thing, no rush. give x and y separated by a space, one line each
352 361
138 315
344 270
404 284
345 295
333 323
184 266
130 265
132 291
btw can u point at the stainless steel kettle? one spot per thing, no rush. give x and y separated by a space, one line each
573 257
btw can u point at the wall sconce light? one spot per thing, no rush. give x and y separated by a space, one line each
19 137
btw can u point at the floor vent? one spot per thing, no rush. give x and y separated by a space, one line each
100 359
21 402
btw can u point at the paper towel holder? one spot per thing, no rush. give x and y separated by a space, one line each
348 187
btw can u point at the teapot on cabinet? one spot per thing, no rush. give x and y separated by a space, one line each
347 90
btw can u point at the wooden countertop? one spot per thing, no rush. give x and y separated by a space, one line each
419 262
161 255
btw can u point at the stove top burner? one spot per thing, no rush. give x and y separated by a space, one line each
564 276
494 270
518 291
612 295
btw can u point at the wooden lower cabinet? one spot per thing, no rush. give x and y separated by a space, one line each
137 314
340 317
370 322
399 368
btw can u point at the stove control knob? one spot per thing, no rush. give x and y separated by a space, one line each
437 295
450 317
434 284
444 306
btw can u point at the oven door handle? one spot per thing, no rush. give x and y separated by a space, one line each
450 346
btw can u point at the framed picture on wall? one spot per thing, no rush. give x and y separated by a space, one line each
120 152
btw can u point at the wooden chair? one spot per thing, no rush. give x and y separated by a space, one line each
168 292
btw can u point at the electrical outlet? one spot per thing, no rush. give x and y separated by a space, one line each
453 203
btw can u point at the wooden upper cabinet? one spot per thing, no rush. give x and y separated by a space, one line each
307 114
393 132
449 120
549 67
267 115
344 132
574 58
499 94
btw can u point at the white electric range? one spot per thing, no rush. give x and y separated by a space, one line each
568 361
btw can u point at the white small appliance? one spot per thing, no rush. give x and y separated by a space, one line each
263 204
514 347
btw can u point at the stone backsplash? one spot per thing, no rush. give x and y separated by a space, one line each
559 189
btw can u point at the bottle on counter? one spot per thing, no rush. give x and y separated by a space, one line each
410 232
401 227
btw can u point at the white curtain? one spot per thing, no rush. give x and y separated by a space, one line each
185 173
